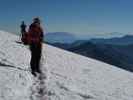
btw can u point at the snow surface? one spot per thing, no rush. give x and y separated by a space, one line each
69 76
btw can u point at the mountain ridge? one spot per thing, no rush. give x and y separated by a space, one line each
124 40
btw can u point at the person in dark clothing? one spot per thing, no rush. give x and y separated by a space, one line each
23 28
35 39
23 35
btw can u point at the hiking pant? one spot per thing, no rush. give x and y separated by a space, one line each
35 57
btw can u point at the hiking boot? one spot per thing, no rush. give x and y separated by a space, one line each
38 71
34 73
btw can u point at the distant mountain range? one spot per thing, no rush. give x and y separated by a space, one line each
115 51
119 55
68 38
125 40
60 37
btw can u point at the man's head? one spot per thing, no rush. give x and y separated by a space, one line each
36 20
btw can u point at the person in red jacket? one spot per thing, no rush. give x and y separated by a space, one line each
35 39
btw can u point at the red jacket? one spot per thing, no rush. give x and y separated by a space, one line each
35 33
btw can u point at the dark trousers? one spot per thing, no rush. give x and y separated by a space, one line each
35 57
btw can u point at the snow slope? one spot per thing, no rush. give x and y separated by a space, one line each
69 76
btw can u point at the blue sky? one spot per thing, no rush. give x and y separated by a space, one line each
81 17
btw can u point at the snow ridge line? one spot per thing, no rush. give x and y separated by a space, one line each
11 66
62 86
84 96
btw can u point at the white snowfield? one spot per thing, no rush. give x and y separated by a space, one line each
69 76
